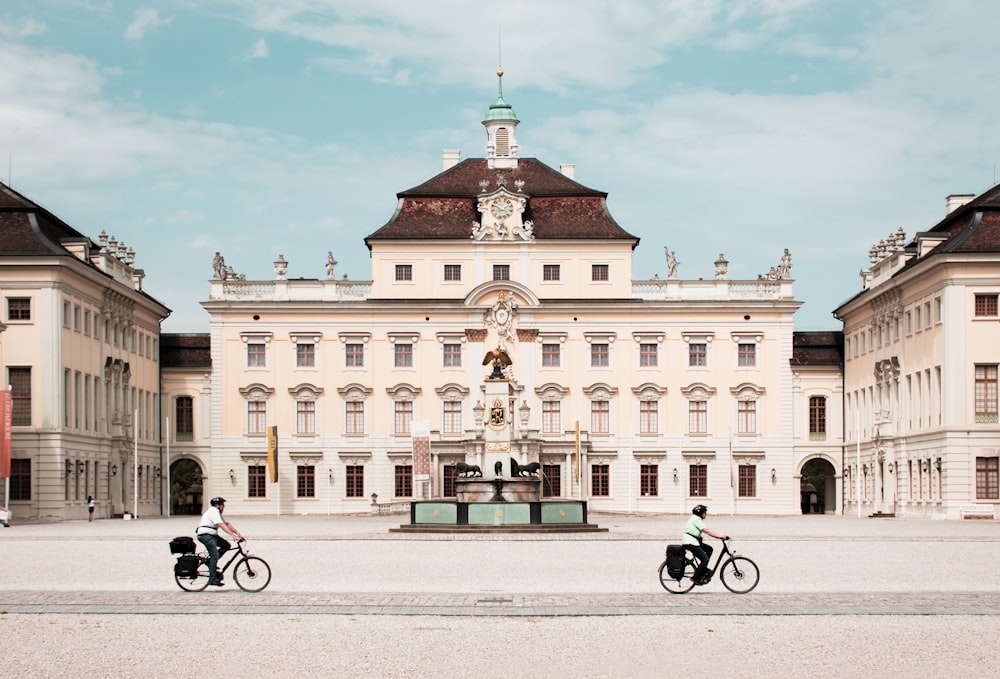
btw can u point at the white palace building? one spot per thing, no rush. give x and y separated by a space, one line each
634 395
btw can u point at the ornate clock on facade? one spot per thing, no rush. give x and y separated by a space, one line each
502 208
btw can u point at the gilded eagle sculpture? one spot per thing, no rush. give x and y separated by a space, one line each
500 360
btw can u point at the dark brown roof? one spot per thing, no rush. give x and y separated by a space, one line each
974 227
189 350
17 235
445 206
819 348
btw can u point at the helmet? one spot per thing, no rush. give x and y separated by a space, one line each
216 501
700 510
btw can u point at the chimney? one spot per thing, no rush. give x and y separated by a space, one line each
956 200
449 158
567 169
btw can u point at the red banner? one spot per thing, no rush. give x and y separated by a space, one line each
6 415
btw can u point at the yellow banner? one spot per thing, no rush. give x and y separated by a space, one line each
272 453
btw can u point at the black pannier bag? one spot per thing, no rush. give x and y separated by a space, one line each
182 545
187 566
675 561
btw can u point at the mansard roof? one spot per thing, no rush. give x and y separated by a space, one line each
186 350
445 206
19 237
974 227
817 348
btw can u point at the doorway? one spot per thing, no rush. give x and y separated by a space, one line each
818 487
186 487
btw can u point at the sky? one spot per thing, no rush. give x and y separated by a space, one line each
743 127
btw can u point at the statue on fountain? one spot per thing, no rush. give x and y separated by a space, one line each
500 360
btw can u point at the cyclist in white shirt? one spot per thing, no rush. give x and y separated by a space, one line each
208 535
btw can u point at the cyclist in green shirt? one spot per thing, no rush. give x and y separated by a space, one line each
693 542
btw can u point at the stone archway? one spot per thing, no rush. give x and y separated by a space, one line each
186 487
818 487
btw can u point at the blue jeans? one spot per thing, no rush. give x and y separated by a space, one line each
703 553
216 547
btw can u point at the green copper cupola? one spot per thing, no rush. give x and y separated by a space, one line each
500 124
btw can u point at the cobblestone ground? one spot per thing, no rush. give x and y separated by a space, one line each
837 595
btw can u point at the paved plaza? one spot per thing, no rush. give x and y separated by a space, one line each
838 595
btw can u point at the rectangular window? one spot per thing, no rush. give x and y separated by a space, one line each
599 355
501 272
986 394
648 475
305 481
355 417
599 272
648 355
698 482
550 272
20 384
698 354
448 480
817 415
698 417
76 317
355 486
20 479
600 417
550 355
256 355
986 305
747 356
551 420
184 418
305 355
86 322
305 417
453 272
256 417
649 416
451 356
987 475
551 480
403 486
451 417
748 480
18 308
354 355
600 485
403 416
404 272
747 417
257 480
403 355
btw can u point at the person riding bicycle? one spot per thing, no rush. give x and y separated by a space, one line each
693 542
208 535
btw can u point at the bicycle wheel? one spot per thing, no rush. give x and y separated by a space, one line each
740 574
677 586
252 574
196 583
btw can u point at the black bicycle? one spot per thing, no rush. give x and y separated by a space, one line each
251 573
739 574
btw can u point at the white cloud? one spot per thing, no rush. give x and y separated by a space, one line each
143 21
23 28
258 50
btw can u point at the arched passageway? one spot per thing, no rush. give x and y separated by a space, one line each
818 487
185 487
